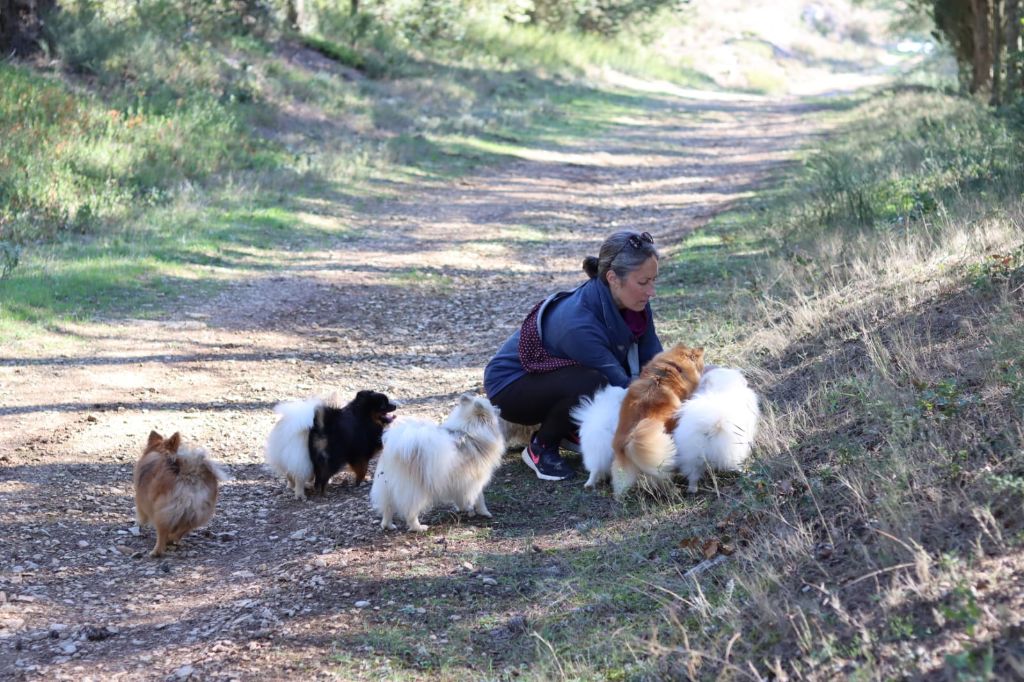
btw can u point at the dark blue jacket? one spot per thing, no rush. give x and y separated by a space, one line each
583 325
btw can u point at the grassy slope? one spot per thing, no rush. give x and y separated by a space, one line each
879 295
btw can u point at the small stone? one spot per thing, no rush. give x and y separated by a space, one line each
184 672
68 648
83 544
362 604
517 624
97 634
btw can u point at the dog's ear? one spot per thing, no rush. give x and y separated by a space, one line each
154 440
466 397
174 442
482 406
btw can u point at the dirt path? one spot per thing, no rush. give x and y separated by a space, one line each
413 306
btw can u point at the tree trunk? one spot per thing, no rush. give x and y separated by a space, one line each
8 24
997 53
21 24
355 7
1013 53
981 74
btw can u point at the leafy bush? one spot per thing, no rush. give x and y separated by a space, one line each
931 155
9 256
67 161
605 17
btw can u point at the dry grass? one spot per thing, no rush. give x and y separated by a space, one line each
891 449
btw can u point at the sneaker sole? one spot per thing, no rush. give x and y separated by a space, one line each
543 477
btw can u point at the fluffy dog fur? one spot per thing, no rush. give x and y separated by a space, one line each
647 417
424 464
597 418
287 447
175 489
717 425
313 440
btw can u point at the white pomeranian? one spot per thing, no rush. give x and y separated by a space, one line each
424 464
717 425
287 450
597 418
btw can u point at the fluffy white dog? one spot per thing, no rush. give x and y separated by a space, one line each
424 464
597 418
716 426
286 451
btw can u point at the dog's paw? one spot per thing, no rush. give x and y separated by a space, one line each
419 528
483 513
388 526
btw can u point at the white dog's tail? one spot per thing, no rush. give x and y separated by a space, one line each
422 450
287 449
416 461
716 427
597 418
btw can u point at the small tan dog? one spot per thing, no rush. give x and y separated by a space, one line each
175 488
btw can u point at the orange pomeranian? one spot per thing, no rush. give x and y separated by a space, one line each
175 488
643 438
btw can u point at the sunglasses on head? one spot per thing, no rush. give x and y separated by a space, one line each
636 241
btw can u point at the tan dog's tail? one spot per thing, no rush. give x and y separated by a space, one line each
195 464
651 448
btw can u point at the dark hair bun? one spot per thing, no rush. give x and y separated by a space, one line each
590 266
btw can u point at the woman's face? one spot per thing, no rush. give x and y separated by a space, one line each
635 289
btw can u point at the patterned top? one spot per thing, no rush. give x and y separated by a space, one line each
532 356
